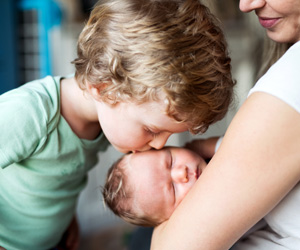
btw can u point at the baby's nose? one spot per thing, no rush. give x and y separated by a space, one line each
180 174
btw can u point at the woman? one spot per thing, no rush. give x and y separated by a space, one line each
256 170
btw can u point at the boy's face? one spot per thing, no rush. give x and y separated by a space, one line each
131 127
161 179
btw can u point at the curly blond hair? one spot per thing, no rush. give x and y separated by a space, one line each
119 197
138 49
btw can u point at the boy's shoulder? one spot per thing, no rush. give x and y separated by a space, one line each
28 114
38 99
45 88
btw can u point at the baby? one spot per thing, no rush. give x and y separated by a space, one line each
144 188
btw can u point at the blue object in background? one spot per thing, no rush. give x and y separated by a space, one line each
25 49
8 55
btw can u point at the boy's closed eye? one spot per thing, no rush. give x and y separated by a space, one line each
152 132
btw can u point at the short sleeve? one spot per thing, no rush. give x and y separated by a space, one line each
22 126
283 79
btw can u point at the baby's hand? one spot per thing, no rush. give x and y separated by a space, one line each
203 147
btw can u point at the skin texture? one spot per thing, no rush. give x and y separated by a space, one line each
204 147
161 179
143 126
233 180
283 15
255 167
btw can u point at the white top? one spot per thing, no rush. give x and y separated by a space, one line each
283 222
283 78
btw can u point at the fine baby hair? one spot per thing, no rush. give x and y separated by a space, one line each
118 196
137 50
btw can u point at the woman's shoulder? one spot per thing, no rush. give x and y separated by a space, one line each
282 80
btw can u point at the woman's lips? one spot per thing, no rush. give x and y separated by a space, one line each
268 22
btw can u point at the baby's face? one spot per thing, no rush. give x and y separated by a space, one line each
161 178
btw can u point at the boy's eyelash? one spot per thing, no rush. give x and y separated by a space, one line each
152 133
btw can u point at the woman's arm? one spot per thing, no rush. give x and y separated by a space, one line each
257 164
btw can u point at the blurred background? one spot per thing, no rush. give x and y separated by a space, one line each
39 37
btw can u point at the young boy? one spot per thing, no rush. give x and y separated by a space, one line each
145 70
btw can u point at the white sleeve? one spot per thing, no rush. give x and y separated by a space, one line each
282 80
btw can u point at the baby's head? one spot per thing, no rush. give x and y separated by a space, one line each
144 188
148 50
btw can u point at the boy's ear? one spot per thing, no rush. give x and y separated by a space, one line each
96 90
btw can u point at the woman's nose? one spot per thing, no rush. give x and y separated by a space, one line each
249 5
179 174
159 141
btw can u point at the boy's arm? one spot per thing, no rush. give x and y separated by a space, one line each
205 147
254 168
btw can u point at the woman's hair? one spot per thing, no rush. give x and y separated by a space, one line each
119 197
135 50
272 51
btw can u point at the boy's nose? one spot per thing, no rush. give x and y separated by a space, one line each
249 5
159 141
179 174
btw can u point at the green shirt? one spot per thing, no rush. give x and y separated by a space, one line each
43 166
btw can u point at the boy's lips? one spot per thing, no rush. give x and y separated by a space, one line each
268 22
